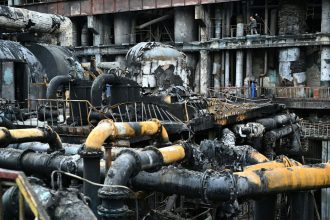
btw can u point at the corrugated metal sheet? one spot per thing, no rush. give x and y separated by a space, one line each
92 7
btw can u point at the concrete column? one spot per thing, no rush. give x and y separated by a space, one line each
133 33
106 26
223 22
84 35
227 68
197 77
266 18
249 67
239 55
217 70
228 16
217 21
184 25
204 55
74 34
273 20
325 23
204 72
325 53
122 28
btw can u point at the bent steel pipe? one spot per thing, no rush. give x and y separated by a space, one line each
99 83
46 135
118 130
55 83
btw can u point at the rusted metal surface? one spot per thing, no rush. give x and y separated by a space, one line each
89 7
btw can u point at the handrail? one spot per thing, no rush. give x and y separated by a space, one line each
298 93
26 192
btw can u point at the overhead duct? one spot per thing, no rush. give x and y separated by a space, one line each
23 19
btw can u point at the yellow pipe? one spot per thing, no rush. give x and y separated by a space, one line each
46 135
18 134
118 130
279 163
258 157
172 154
99 134
285 179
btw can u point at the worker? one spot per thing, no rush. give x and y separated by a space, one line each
253 25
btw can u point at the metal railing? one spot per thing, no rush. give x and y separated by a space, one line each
26 194
315 130
297 93
322 93
67 117
138 111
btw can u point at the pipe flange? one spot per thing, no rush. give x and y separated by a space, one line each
114 213
188 150
19 161
137 158
109 193
205 177
233 189
84 153
160 156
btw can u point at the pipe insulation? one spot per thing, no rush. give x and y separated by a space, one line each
220 186
23 19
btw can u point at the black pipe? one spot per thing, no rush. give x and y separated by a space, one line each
55 83
30 162
91 172
126 165
100 82
275 134
278 120
69 149
209 185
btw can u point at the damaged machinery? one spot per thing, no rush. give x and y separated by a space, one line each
103 141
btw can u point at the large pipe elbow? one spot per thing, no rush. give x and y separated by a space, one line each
55 83
127 165
99 83
97 137
118 130
46 135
